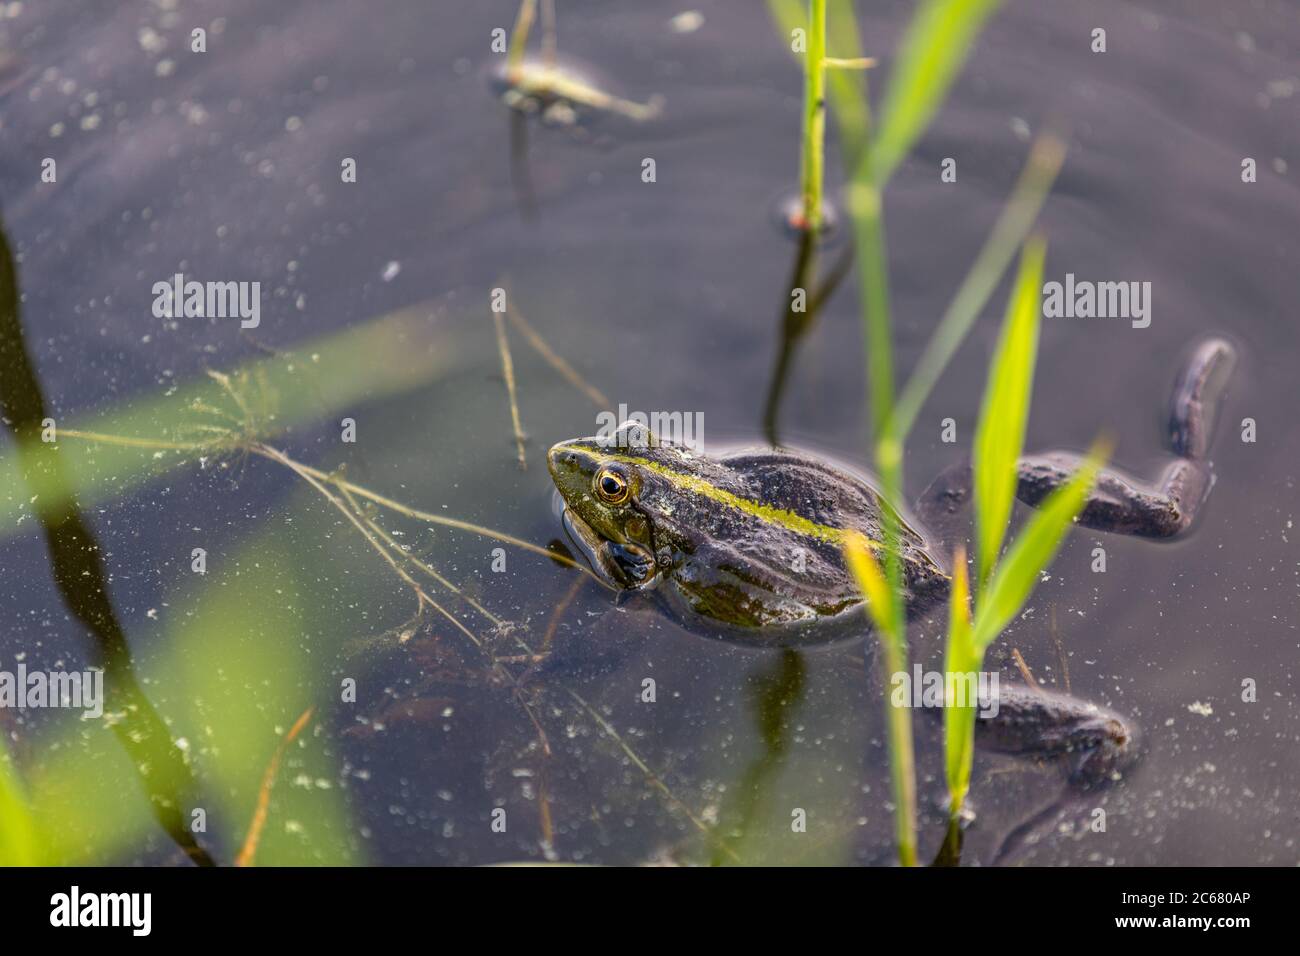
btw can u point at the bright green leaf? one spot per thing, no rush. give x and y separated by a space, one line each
1016 219
1033 551
1000 434
871 580
19 842
933 50
374 360
961 657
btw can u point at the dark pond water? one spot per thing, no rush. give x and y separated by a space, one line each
665 296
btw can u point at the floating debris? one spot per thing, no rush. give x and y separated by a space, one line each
688 21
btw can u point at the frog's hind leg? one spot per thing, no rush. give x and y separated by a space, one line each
1169 505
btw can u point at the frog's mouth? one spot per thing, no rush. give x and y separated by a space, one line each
623 565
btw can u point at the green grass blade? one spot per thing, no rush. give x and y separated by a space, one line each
1033 550
961 656
19 843
1009 232
885 608
519 35
871 581
1000 434
933 50
367 362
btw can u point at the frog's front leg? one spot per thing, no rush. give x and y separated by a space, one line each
1169 505
1118 502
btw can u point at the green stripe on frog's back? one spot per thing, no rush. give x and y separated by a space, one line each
695 484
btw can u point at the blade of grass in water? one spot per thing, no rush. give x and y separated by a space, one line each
365 363
19 842
883 604
519 36
814 117
871 581
1033 550
961 657
1003 588
844 87
1000 433
935 46
1013 225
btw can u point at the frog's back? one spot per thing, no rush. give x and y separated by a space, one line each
774 573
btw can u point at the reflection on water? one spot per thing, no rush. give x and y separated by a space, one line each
776 694
804 297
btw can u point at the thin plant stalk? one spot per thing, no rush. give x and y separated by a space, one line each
519 39
508 373
1009 232
548 34
864 205
934 47
814 117
842 87
254 836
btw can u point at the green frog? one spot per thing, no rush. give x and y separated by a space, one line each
746 547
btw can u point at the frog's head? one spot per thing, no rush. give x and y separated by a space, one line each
601 481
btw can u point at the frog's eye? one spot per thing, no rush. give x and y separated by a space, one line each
612 486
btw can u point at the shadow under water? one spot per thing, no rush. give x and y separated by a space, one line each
804 298
777 694
79 575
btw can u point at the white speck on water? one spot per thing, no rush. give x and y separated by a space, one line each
391 270
150 40
1020 128
688 21
194 114
1200 709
